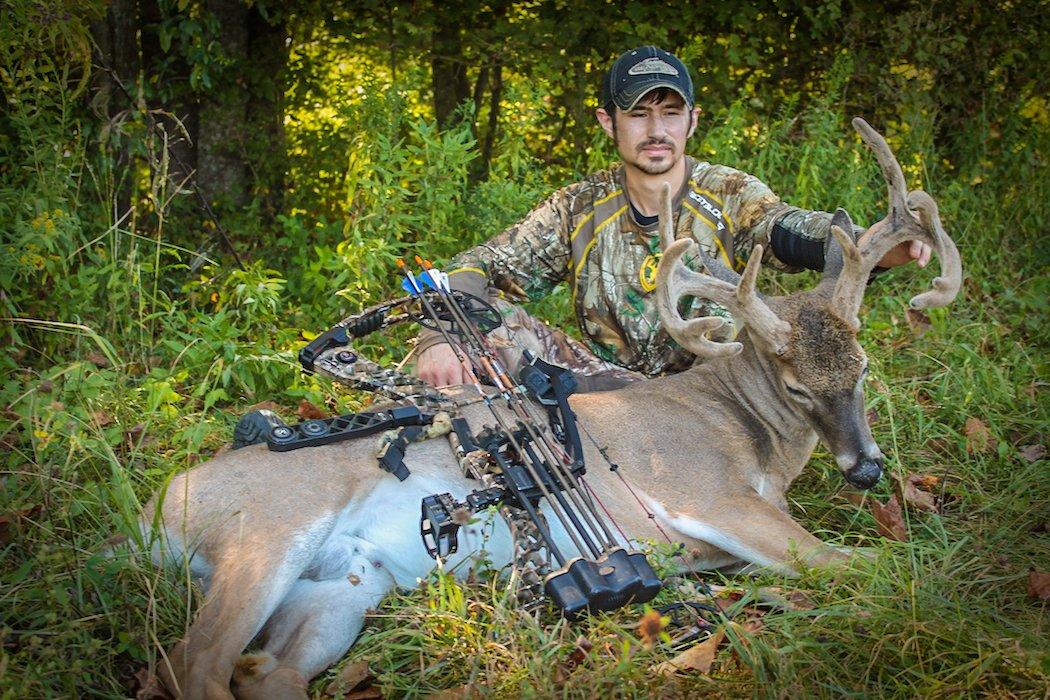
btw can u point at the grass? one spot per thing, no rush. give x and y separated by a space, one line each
98 414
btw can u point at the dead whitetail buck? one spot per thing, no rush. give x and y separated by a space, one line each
294 547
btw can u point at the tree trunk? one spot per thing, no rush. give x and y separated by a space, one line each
480 171
181 127
222 173
268 52
448 70
117 38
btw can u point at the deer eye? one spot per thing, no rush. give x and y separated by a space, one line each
796 392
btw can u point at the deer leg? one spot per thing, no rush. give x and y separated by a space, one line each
760 533
314 627
242 594
200 666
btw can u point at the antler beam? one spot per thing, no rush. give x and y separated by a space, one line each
675 280
898 226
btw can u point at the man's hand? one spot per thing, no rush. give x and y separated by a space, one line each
439 366
900 254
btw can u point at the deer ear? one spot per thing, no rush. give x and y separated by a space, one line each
843 221
833 252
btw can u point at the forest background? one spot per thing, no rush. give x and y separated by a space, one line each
189 189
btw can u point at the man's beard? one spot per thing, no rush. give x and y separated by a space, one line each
655 168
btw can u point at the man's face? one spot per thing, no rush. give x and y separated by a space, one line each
651 137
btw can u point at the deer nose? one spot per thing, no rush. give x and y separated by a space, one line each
865 473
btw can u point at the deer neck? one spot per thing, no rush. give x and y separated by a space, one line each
747 386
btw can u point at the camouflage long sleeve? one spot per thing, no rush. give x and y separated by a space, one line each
525 261
755 210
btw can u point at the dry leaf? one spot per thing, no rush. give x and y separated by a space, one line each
1032 453
98 359
649 628
784 599
354 579
101 418
149 687
12 521
461 692
350 677
916 492
1039 584
978 437
888 519
872 416
918 321
583 647
307 411
698 657
754 624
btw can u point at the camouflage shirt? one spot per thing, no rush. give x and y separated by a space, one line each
586 234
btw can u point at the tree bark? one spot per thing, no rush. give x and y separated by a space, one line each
480 173
268 53
448 70
222 173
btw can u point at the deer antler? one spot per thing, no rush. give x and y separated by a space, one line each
898 226
723 286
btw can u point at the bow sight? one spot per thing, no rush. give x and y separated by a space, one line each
529 467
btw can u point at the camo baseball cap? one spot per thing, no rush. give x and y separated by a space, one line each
641 70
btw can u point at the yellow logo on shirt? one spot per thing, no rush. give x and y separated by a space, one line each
647 273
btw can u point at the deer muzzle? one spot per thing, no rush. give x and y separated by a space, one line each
865 472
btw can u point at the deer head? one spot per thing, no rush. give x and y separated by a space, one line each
809 339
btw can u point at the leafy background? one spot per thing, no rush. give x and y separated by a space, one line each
187 188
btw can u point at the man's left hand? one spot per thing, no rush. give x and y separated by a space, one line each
902 253
906 252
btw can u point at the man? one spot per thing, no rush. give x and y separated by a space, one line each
600 236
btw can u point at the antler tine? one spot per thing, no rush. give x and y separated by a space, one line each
673 281
666 224
849 263
891 170
948 284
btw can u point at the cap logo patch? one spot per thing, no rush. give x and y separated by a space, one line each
652 65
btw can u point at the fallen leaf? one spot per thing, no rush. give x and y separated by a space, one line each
754 624
872 416
350 677
1039 584
1032 453
12 521
149 686
101 418
579 653
649 628
888 519
916 492
918 321
784 599
354 579
698 657
98 359
461 692
978 437
46 386
307 411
